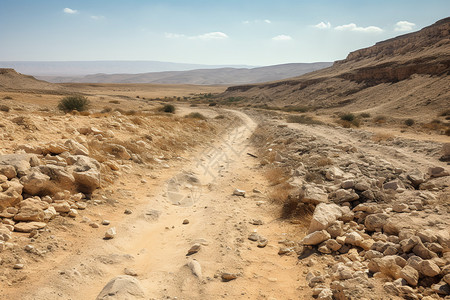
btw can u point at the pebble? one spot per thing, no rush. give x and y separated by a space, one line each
228 276
110 233
18 266
94 225
130 272
127 212
106 222
194 249
185 221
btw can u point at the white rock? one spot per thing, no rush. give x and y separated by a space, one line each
195 268
121 288
238 192
316 238
110 233
324 215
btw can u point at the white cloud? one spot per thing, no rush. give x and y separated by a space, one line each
353 27
267 21
206 36
282 37
211 36
323 25
98 18
70 11
404 26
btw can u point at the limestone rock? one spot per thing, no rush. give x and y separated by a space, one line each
343 195
410 275
29 227
316 238
429 268
238 192
122 288
314 195
324 215
437 172
110 233
375 222
8 171
21 162
195 268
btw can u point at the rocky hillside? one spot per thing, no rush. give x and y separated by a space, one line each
406 73
10 80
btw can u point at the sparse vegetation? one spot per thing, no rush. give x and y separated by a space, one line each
71 103
381 137
114 101
380 119
409 122
196 115
168 108
7 98
348 120
302 119
348 117
364 115
106 110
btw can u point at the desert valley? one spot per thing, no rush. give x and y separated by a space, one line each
334 184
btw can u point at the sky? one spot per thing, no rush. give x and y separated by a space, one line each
225 32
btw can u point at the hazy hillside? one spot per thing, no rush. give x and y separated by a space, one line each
397 76
82 68
201 76
11 80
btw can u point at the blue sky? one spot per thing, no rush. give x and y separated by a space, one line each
251 32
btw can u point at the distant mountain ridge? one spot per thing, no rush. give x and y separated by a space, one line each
225 76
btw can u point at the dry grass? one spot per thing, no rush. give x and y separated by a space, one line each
276 176
382 137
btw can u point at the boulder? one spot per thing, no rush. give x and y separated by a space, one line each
121 288
61 180
343 195
437 172
87 181
324 215
316 238
29 227
76 148
314 195
429 268
375 222
8 170
334 173
410 274
21 162
118 151
416 178
35 183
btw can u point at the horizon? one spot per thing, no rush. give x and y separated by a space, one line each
252 33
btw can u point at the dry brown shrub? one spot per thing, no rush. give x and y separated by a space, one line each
381 137
137 121
323 161
313 177
276 176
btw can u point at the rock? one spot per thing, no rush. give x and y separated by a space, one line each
61 207
194 249
262 242
30 213
73 213
29 227
347 184
121 288
127 212
392 185
18 266
87 181
196 268
94 225
256 222
375 222
342 195
334 173
8 171
110 233
118 151
423 252
388 266
416 178
441 288
36 183
324 215
106 222
437 172
130 272
238 192
228 276
316 238
325 294
410 275
284 250
185 221
335 229
333 245
21 162
353 238
76 148
428 268
400 207
446 278
313 195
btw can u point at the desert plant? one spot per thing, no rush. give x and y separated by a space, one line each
409 122
106 109
302 119
70 103
379 119
7 98
114 101
348 117
196 115
168 108
365 115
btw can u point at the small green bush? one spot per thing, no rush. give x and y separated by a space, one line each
348 117
196 115
365 115
70 103
409 122
168 108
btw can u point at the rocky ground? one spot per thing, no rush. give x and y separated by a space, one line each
150 206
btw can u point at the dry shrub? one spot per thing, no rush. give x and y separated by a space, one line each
381 137
302 119
114 101
379 119
137 121
4 108
324 161
276 176
314 177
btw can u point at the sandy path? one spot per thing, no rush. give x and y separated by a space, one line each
153 241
